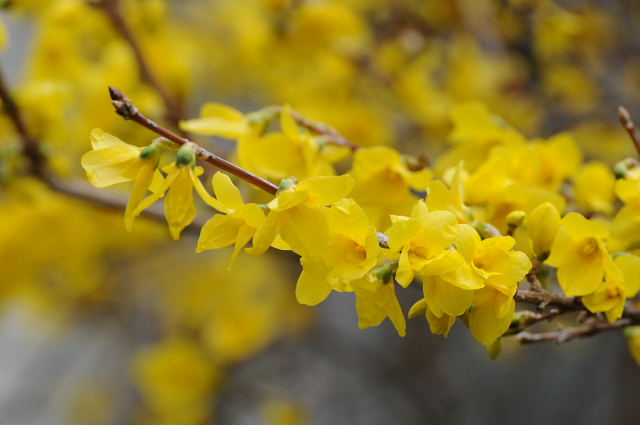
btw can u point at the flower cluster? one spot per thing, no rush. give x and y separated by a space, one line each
490 216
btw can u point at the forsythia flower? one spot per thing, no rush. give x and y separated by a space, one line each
376 300
113 161
538 229
501 270
384 168
296 214
593 188
420 239
182 178
621 281
236 226
580 254
351 251
218 120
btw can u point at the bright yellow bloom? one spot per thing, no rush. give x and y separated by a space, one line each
536 233
438 325
621 282
593 188
450 198
238 223
291 152
351 251
580 254
501 270
375 301
296 215
475 133
384 169
419 239
179 208
625 229
217 120
113 161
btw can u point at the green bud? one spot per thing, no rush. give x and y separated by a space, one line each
287 183
486 230
383 274
186 155
620 170
150 151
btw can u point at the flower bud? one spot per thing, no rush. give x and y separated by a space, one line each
287 183
515 218
186 155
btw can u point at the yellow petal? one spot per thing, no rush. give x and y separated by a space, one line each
485 326
311 289
218 232
179 208
227 192
143 180
326 190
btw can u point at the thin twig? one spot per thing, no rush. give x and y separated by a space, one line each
625 119
127 110
568 334
113 10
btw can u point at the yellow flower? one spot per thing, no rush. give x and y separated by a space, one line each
451 198
593 188
217 120
113 161
621 282
475 133
238 223
291 152
384 168
376 300
438 324
580 254
536 233
296 215
501 270
179 208
420 239
350 252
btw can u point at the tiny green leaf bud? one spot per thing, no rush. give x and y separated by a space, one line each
632 332
620 170
186 155
287 183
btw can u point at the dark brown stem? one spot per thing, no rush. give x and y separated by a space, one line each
30 146
113 10
127 110
625 119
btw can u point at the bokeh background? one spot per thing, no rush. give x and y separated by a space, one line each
100 326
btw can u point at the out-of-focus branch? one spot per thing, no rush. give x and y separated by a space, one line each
127 110
113 10
625 119
30 146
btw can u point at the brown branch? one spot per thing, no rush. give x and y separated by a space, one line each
568 334
127 110
113 10
625 119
